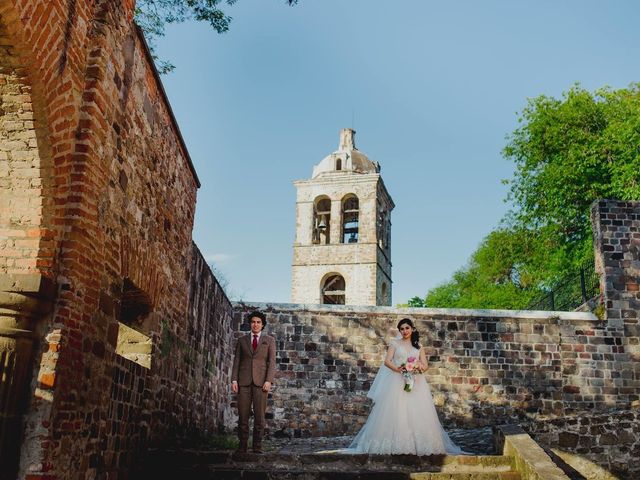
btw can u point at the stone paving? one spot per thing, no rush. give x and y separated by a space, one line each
478 441
319 458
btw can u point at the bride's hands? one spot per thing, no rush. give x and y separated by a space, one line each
423 360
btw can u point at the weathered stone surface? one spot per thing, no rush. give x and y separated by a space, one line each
585 467
307 462
594 443
485 366
476 441
617 245
97 195
568 440
529 458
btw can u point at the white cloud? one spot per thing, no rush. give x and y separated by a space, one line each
220 257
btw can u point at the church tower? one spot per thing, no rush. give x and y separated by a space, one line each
342 248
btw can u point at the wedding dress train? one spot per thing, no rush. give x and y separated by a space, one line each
402 422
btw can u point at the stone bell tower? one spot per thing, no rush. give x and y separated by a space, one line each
342 248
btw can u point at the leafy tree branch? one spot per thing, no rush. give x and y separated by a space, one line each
154 15
567 153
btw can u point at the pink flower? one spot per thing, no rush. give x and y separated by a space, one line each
409 369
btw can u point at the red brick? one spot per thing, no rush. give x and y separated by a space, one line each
47 380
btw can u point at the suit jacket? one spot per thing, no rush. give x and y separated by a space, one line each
251 367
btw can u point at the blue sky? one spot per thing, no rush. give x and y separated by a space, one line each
431 87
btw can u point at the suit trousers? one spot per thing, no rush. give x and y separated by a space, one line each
251 397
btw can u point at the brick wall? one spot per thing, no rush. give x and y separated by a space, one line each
183 398
97 197
211 340
21 161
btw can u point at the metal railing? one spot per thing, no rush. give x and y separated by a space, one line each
570 292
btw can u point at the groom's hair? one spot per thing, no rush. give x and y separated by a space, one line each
260 315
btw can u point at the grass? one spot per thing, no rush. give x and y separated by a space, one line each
222 442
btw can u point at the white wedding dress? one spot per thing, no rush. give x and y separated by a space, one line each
402 422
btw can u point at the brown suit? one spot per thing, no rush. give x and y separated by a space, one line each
251 370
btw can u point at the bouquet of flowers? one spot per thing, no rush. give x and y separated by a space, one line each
409 369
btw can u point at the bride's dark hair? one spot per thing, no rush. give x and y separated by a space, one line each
415 335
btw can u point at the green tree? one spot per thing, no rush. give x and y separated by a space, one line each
567 152
153 15
496 276
413 302
570 152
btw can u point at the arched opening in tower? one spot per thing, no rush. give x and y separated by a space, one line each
321 221
350 219
333 290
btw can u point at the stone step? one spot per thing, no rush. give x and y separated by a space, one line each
209 465
232 474
329 460
511 475
341 467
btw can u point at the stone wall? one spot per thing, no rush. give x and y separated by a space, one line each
210 341
617 246
611 440
97 200
486 366
183 398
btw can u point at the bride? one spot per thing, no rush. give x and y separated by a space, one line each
401 421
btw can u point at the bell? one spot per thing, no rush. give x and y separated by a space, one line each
322 224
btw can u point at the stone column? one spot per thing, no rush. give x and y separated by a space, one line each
336 222
616 230
24 299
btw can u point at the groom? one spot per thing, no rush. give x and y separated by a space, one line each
254 365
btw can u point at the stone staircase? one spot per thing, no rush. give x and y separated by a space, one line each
521 458
320 466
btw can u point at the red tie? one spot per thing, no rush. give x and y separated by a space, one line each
255 342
